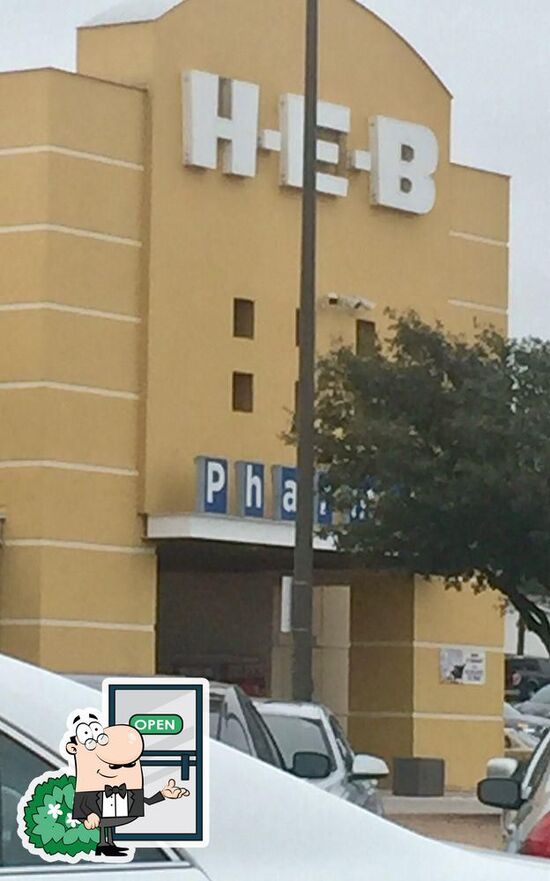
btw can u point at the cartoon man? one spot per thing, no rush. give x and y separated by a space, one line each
109 779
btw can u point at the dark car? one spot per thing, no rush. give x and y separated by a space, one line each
234 720
525 676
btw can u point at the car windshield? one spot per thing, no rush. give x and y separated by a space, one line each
216 703
538 771
295 734
266 746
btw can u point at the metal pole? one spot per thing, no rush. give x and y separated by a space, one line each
302 587
521 637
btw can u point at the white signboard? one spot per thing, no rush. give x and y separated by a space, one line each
459 665
172 717
221 121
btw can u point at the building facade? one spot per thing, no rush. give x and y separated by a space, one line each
149 244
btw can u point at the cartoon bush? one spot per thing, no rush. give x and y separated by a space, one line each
49 824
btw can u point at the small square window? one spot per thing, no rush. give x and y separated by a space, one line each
243 392
365 338
243 318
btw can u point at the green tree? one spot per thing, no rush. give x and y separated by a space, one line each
442 449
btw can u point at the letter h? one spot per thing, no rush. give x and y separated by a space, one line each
225 110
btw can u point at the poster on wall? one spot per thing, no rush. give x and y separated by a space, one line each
462 666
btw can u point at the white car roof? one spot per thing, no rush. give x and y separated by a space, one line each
291 708
264 823
39 702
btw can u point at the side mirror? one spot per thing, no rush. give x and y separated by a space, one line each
502 767
310 765
367 767
499 792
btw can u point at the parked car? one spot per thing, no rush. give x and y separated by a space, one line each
263 824
519 744
534 726
234 720
314 746
34 705
523 793
525 676
538 704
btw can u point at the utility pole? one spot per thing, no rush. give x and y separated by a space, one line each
302 585
521 637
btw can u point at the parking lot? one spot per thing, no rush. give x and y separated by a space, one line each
457 818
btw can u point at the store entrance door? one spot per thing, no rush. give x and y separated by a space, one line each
217 625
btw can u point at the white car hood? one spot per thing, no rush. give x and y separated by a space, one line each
265 824
269 826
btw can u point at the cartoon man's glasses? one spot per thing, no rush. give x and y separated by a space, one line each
90 735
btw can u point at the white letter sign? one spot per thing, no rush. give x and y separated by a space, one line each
221 118
221 110
404 159
333 117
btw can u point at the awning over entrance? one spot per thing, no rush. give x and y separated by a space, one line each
231 529
219 543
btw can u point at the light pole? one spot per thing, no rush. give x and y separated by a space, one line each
302 585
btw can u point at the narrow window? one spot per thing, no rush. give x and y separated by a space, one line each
243 318
365 338
243 392
297 327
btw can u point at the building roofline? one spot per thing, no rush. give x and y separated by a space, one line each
132 12
129 12
481 170
74 73
403 39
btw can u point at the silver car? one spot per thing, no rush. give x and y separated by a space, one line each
315 747
533 727
538 704
265 825
523 793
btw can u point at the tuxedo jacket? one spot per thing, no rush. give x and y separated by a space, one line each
86 803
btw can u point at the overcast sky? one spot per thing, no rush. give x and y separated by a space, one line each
493 56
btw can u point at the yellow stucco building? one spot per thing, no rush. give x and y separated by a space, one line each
149 253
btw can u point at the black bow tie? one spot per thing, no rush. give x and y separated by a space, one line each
116 790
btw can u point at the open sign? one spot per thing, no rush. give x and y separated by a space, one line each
156 724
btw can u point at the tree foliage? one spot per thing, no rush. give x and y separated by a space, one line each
445 445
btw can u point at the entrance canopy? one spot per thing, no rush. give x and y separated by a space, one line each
234 544
228 529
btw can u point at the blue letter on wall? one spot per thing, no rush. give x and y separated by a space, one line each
285 490
212 481
250 489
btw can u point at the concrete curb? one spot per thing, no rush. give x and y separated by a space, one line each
465 805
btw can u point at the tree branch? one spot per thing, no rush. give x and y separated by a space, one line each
535 619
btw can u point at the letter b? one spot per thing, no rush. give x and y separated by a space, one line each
404 160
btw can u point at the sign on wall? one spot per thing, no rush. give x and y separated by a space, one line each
212 485
250 489
213 481
462 666
401 157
